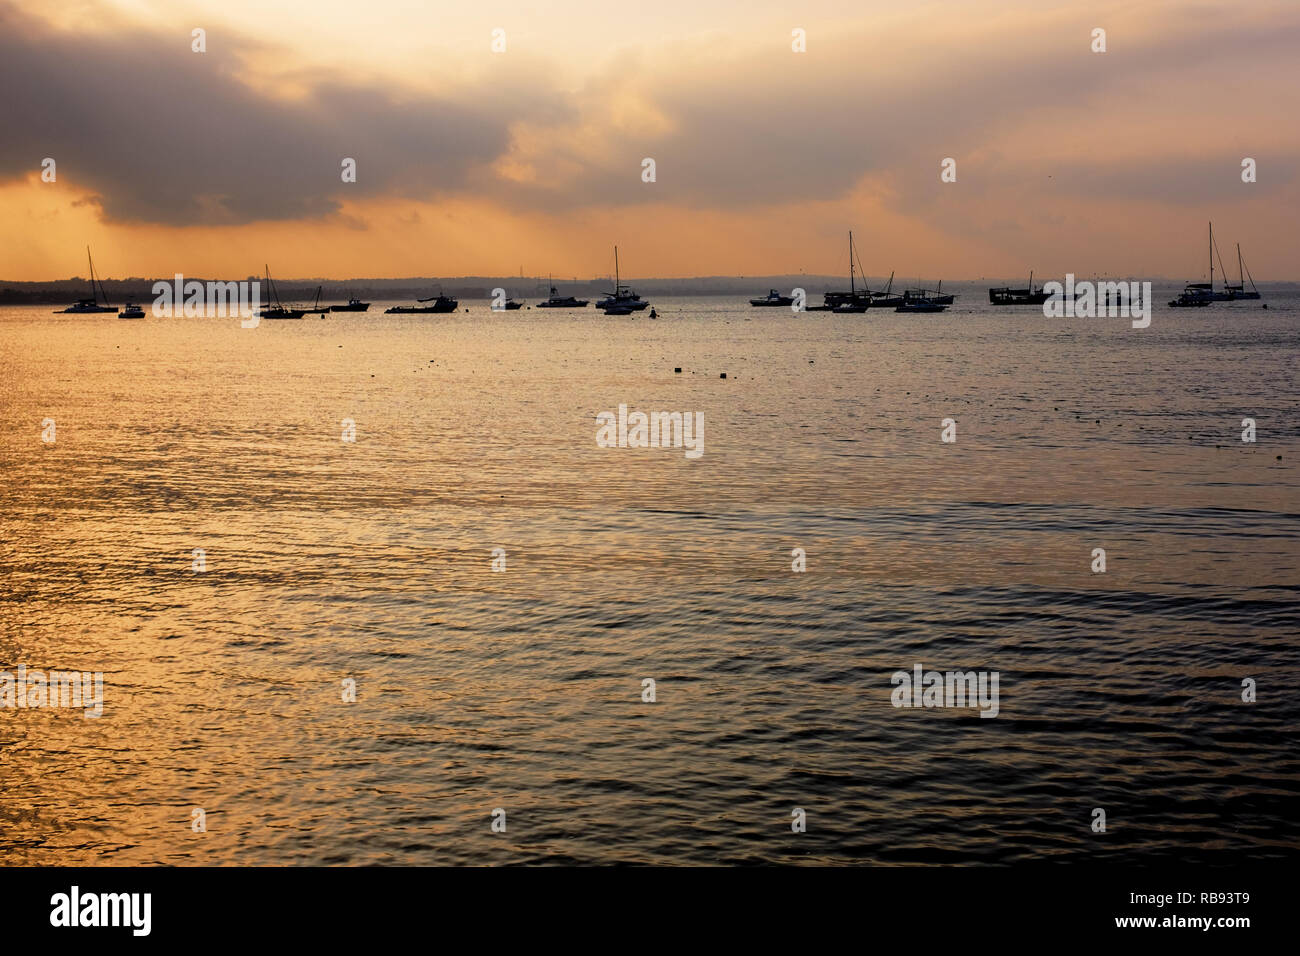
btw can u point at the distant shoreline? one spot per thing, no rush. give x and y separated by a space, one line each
62 291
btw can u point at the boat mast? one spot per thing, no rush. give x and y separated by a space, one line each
1248 275
851 288
1211 256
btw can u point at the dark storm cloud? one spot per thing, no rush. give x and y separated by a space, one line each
165 135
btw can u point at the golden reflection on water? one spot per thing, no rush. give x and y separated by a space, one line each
327 560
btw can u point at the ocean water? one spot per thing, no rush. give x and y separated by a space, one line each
371 560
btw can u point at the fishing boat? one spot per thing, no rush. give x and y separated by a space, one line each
557 301
441 304
917 305
510 305
131 311
622 297
1030 296
354 305
91 305
277 311
317 309
773 297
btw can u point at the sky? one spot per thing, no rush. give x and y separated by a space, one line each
476 162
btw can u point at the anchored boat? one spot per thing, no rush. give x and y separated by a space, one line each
557 301
440 304
91 305
622 297
1030 296
354 305
773 297
277 311
317 309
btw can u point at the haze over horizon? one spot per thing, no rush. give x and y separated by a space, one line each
475 163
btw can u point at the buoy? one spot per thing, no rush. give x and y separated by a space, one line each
678 370
723 375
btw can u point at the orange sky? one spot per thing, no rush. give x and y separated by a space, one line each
472 162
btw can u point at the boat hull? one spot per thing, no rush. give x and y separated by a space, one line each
564 304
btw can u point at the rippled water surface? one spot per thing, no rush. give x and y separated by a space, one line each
521 690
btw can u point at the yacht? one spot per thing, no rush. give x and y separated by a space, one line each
131 311
557 301
437 304
622 297
354 305
91 305
773 297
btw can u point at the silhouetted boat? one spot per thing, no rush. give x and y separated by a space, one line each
131 311
855 300
278 311
557 301
622 297
354 305
91 305
916 305
441 304
510 305
1230 292
1240 288
1196 295
773 297
928 296
317 309
1030 296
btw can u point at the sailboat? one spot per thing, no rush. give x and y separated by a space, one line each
854 300
1238 291
317 309
1196 294
622 301
557 301
90 305
278 311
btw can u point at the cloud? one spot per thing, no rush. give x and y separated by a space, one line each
165 135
